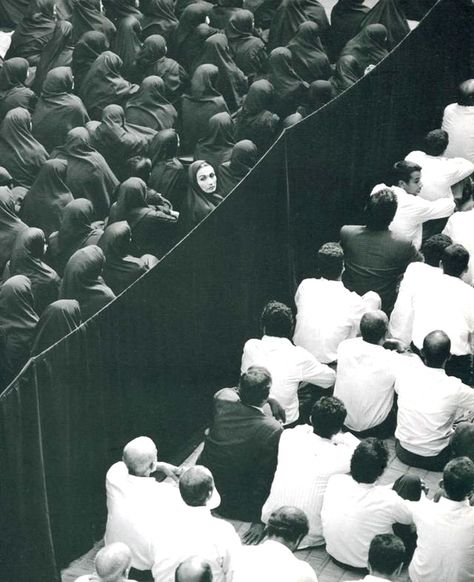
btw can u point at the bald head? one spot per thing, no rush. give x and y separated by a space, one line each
196 485
113 562
466 93
436 349
373 327
140 456
193 569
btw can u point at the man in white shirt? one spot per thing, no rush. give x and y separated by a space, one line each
327 312
386 557
445 545
307 457
136 501
112 564
355 508
460 227
288 364
273 559
195 532
458 121
413 211
193 569
428 405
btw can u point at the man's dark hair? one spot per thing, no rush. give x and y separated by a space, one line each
195 485
455 260
403 170
289 523
432 249
458 478
138 167
194 568
436 142
380 210
386 553
466 93
462 441
328 416
254 386
369 460
330 261
277 320
373 326
436 348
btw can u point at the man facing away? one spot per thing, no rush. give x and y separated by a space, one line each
458 121
460 227
193 569
386 557
112 564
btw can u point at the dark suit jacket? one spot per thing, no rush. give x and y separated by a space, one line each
241 452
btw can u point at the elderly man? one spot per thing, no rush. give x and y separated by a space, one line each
112 564
458 121
194 569
136 501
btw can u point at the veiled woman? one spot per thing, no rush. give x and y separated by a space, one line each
158 18
34 32
255 120
290 88
184 43
247 49
20 153
290 15
57 53
88 174
82 281
153 231
13 92
223 11
76 231
348 71
18 320
58 110
56 322
392 16
168 175
309 58
44 204
199 105
231 81
216 144
150 107
243 158
201 197
88 16
104 85
320 93
88 48
27 259
346 18
128 44
10 226
152 60
369 47
116 10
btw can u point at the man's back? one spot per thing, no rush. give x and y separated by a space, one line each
458 121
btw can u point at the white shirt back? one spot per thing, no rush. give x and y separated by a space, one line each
460 228
458 121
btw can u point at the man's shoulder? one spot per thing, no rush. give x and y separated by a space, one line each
350 230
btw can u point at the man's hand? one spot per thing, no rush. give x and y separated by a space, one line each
254 534
168 470
277 409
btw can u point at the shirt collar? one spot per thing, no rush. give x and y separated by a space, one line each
271 339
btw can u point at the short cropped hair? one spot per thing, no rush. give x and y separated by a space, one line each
458 478
436 348
195 485
373 326
466 93
436 142
386 553
330 261
194 568
455 260
432 249
254 386
328 416
289 523
380 210
369 460
277 320
403 170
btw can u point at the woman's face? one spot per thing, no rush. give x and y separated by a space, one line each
206 179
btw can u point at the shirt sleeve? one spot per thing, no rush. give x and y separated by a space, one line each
430 210
465 397
401 319
401 510
457 169
314 372
231 551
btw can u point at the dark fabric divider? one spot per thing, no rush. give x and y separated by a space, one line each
150 362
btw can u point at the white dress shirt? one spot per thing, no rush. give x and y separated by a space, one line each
428 403
445 545
195 532
288 365
305 463
328 313
365 382
458 121
354 513
439 173
134 505
271 561
460 228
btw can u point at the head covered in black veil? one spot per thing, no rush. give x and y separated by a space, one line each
57 321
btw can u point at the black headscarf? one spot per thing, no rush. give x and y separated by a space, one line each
128 44
82 281
192 16
247 49
149 107
104 84
27 259
58 110
390 14
10 226
131 200
34 32
216 144
89 47
286 21
310 60
168 175
87 16
56 322
347 72
290 89
222 12
369 47
197 204
121 268
57 53
243 158
158 18
118 9
346 18
20 153
320 93
44 204
13 92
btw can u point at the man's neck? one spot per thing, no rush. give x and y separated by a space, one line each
380 575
